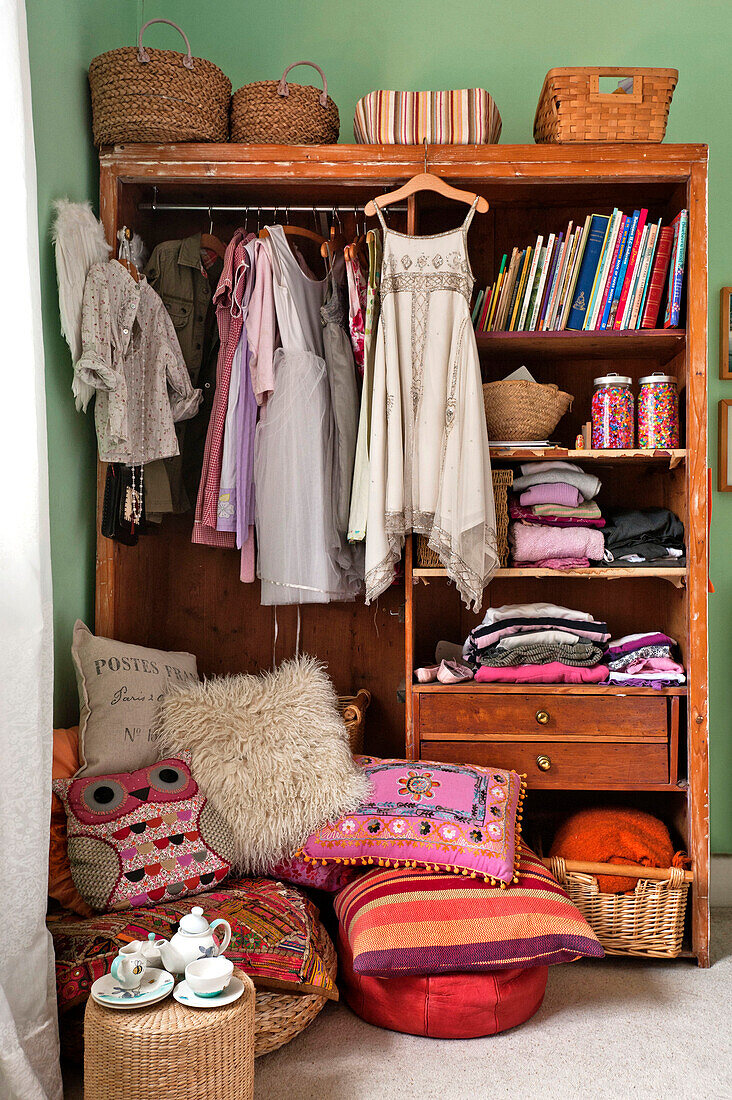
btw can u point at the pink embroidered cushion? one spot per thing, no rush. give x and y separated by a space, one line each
453 817
138 838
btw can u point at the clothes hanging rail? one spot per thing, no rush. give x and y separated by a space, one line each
284 207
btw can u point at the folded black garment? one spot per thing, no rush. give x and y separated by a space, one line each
648 532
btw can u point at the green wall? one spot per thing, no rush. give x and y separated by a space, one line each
409 44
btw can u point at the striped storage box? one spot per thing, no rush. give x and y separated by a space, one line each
465 117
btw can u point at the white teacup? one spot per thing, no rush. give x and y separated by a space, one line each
130 965
209 977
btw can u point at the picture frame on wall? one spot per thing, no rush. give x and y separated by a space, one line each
724 473
725 327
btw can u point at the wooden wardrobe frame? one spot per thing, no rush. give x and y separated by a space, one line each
168 593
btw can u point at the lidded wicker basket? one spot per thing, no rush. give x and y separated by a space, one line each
158 95
273 112
516 409
648 922
427 558
572 107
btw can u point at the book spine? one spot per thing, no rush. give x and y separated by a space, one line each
494 301
529 287
598 273
614 270
574 274
507 292
518 288
477 307
618 324
574 258
679 268
543 276
486 306
586 276
636 276
549 286
623 268
644 295
672 266
604 276
658 278
559 282
644 267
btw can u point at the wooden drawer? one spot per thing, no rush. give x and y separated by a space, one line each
572 765
482 716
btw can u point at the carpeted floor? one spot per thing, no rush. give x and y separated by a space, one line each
612 1029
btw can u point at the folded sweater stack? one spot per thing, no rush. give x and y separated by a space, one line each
555 520
539 643
644 660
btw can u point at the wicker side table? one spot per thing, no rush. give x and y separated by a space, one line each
170 1052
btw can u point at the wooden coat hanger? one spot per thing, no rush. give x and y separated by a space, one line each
208 240
336 242
426 181
125 236
296 231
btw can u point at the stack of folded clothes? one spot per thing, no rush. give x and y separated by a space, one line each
540 643
556 522
644 536
644 660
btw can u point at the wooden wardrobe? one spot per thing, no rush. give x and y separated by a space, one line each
580 745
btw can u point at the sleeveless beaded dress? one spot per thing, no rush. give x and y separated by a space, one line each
430 470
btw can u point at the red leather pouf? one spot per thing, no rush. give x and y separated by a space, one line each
443 1006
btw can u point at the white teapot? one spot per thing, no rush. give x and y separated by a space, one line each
193 940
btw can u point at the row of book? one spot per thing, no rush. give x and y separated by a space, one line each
609 273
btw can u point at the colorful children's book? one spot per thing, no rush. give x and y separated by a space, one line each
658 278
678 263
615 270
630 270
587 271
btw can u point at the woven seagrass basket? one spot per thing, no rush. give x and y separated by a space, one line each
502 482
157 95
572 107
273 112
517 409
353 711
648 922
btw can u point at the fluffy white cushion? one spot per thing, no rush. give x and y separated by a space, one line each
271 752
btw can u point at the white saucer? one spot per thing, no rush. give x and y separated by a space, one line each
185 995
155 986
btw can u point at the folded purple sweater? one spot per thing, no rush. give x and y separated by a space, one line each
552 492
531 543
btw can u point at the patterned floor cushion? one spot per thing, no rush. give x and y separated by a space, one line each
275 938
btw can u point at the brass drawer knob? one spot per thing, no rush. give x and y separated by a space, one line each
542 717
543 763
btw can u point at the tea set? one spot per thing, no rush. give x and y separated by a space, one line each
144 972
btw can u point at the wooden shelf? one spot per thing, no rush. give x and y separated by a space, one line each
603 458
653 343
677 577
541 689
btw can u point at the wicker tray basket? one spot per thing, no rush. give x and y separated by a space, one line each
502 482
353 711
273 112
572 108
517 409
648 922
157 95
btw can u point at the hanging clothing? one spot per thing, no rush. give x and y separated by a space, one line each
132 357
356 309
185 276
341 371
430 468
204 526
298 547
360 488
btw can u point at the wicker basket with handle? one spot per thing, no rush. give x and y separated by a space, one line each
273 112
427 558
353 711
158 95
517 409
572 107
648 922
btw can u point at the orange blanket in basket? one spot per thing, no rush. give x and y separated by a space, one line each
616 835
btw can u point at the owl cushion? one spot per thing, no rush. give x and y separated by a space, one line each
142 837
449 817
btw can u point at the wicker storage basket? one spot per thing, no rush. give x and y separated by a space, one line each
647 922
572 107
353 711
502 482
158 95
517 409
273 112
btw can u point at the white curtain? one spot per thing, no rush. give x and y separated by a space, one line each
29 1067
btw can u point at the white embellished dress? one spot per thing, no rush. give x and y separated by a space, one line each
430 470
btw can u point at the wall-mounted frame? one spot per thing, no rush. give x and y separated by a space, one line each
724 473
725 327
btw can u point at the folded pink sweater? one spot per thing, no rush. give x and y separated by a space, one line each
552 492
553 673
531 543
